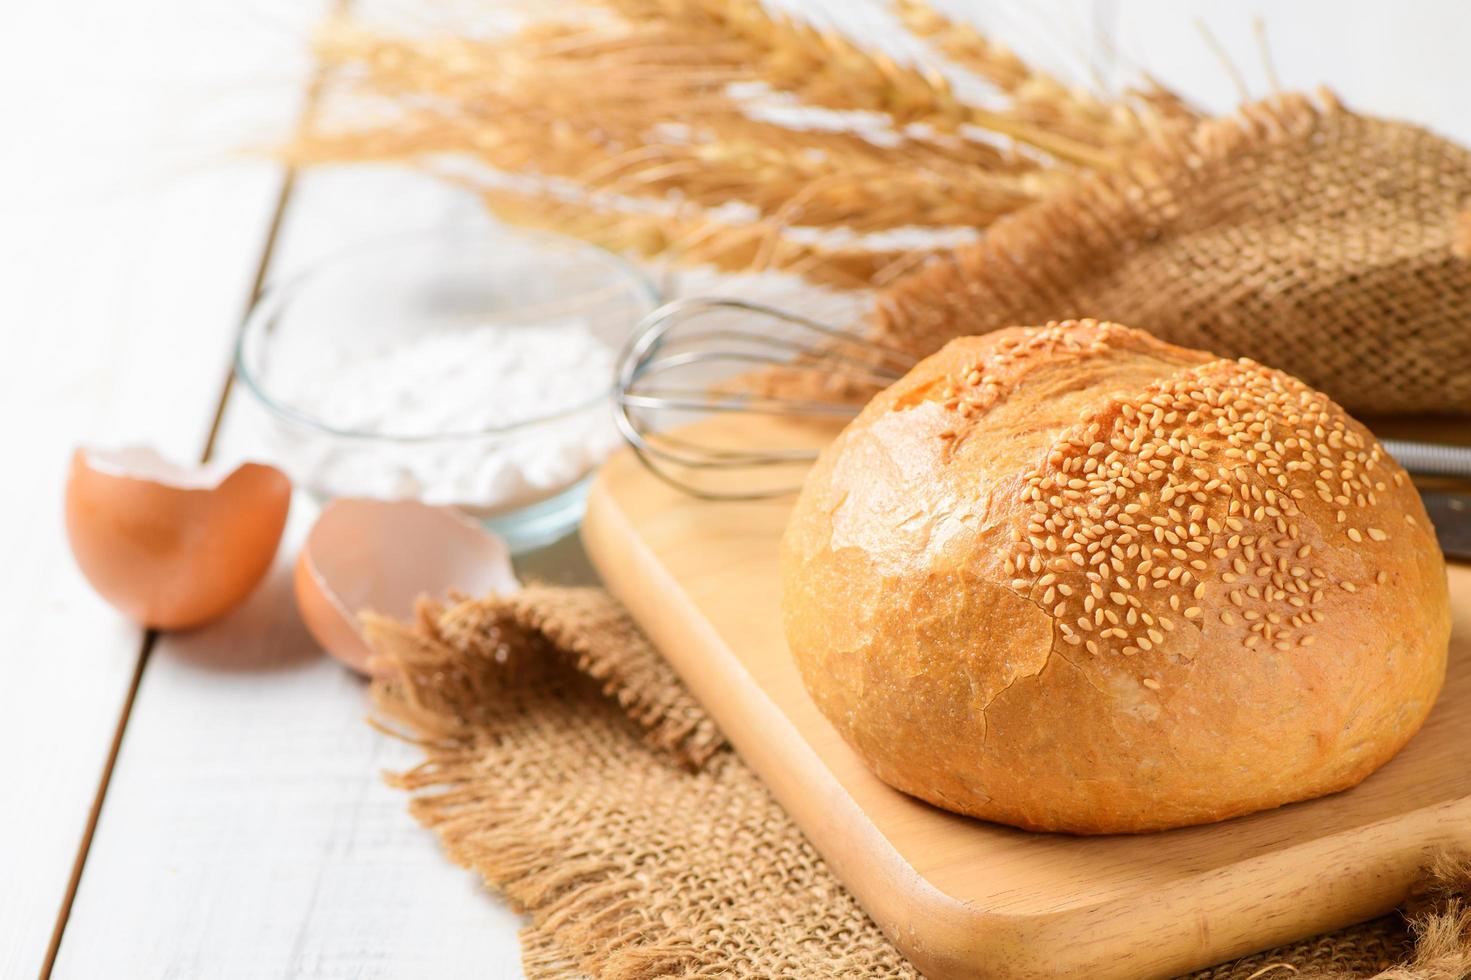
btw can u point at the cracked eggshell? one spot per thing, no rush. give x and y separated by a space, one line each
171 546
382 556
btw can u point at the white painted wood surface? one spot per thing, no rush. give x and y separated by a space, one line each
123 271
247 819
246 831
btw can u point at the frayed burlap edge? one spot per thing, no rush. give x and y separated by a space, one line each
451 675
453 661
461 675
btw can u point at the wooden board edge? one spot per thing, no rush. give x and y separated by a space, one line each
944 936
899 896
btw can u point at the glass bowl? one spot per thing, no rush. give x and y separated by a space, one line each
468 365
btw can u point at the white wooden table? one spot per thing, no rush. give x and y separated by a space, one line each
209 804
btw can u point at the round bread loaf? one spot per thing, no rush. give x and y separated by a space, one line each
1073 578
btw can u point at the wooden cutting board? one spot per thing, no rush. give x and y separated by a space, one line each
965 898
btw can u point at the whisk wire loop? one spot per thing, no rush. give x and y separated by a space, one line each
678 366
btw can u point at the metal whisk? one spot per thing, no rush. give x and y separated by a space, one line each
697 357
1430 458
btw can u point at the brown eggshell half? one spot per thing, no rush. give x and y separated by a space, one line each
382 555
172 547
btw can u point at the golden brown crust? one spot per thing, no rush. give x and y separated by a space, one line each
1074 578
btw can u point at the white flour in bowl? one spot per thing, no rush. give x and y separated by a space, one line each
456 384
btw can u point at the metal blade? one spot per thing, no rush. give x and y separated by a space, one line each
1451 515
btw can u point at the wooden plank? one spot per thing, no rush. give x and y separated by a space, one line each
963 897
248 832
125 269
247 802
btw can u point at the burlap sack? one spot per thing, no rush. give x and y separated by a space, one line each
567 764
1331 245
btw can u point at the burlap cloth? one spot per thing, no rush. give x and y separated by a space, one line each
1329 244
568 765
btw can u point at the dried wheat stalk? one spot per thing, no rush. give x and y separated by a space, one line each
697 240
658 116
1041 98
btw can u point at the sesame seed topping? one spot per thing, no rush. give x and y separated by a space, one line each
1217 474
